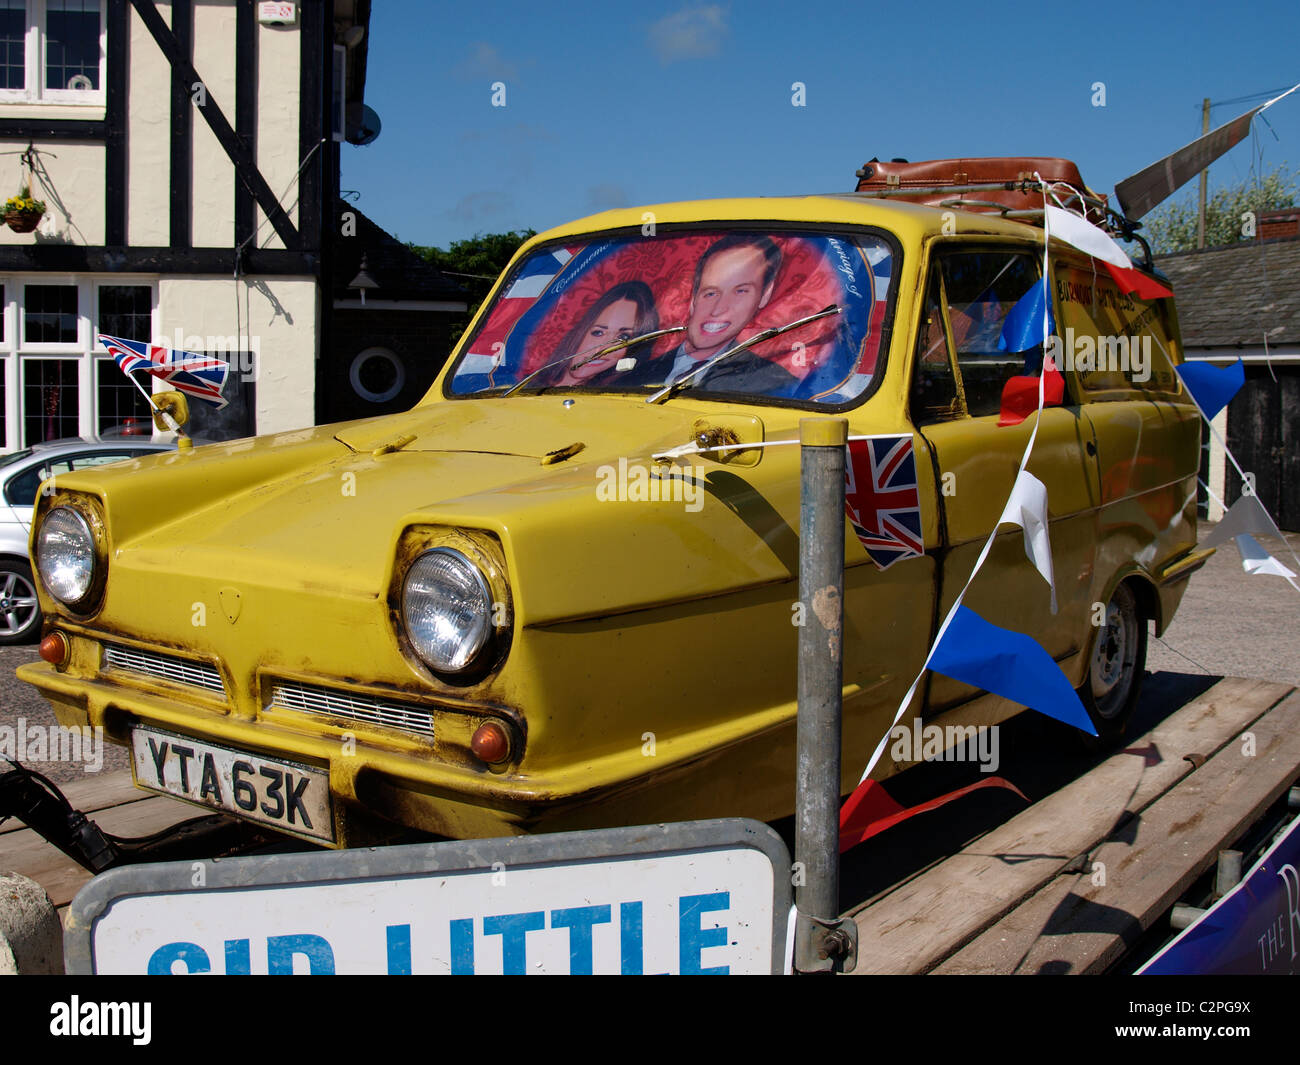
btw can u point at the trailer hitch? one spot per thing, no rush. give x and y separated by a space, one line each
40 805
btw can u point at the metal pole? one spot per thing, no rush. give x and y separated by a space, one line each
1200 215
823 943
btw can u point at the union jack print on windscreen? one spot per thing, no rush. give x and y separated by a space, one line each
882 498
200 376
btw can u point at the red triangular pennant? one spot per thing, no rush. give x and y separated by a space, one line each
871 809
1134 280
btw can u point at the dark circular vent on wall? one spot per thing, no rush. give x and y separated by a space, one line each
377 375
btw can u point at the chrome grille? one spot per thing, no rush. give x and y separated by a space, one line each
151 663
359 707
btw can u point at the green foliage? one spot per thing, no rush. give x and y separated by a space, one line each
1172 227
475 263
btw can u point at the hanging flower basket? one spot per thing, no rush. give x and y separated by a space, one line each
22 213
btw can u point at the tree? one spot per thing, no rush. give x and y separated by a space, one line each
476 263
1172 227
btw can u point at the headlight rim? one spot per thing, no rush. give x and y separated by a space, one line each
485 588
88 512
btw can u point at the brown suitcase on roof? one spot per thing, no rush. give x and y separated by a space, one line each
935 180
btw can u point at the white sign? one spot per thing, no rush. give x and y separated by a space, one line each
700 897
277 14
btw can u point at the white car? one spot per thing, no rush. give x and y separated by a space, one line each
21 474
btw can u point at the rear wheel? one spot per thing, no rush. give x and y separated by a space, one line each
20 613
1116 668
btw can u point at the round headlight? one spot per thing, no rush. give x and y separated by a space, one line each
65 554
447 608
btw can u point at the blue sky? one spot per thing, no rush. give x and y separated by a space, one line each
619 105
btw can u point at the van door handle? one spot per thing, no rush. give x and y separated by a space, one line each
1091 448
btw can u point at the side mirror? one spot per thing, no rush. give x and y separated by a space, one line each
175 406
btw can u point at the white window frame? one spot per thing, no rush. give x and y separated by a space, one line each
85 352
34 91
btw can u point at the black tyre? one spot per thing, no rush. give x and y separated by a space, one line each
20 613
1116 667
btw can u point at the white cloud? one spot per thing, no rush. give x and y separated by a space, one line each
605 196
484 61
692 33
482 206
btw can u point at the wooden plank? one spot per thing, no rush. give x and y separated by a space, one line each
92 794
27 853
1077 926
912 929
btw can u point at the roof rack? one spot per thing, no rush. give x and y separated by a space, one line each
1083 201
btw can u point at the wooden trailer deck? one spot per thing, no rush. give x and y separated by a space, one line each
1066 885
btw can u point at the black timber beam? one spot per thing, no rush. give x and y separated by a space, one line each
70 258
181 156
114 124
245 111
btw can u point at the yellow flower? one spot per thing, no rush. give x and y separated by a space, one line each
25 202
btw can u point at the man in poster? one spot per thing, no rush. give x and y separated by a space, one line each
734 279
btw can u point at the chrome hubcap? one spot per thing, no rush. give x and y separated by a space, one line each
1113 660
18 606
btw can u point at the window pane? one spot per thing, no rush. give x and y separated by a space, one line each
124 312
50 314
122 409
934 389
13 44
21 491
239 417
2 324
72 44
49 400
981 288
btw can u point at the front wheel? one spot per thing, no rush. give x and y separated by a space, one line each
1117 666
20 613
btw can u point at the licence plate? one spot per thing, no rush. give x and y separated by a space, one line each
285 795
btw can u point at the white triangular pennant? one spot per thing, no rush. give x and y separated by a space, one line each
1082 234
1027 508
1254 559
1247 515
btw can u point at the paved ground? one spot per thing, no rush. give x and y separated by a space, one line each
1230 624
1235 624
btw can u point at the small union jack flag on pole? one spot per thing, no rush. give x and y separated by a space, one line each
200 376
882 498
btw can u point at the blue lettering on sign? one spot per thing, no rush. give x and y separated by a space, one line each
238 960
462 947
194 957
280 951
579 920
693 938
630 938
399 950
513 928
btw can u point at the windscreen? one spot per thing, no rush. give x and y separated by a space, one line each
712 291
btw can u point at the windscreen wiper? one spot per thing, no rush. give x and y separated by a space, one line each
668 391
616 346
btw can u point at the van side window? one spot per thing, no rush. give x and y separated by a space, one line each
1120 347
980 289
935 397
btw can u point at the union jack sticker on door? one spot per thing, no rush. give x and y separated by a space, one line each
882 498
